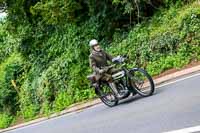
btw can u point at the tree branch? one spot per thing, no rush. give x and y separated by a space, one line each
150 3
138 11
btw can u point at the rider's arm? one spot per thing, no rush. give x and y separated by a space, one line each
93 65
114 59
109 57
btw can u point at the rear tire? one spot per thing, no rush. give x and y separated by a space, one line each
141 82
106 95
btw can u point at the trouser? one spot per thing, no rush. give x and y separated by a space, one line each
108 75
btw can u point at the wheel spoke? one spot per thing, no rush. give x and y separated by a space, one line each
142 82
107 96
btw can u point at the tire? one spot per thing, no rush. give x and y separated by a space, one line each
141 82
107 96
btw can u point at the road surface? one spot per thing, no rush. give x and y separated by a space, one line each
174 106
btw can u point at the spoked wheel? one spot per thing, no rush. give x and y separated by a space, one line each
141 81
107 96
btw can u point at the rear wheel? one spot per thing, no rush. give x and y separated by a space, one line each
141 82
106 95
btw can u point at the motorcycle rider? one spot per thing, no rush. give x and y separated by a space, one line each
98 62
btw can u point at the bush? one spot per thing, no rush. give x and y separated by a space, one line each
8 43
53 70
62 101
29 112
165 41
6 120
10 73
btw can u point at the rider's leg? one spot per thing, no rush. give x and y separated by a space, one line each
114 88
108 78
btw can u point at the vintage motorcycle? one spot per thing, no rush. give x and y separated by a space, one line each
134 81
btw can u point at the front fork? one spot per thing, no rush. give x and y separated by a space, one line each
128 82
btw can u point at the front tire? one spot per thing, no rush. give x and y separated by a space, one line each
141 82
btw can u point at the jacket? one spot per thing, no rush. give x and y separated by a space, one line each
99 60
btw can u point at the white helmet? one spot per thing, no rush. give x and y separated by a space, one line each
93 42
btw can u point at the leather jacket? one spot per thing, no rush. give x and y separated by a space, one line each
99 59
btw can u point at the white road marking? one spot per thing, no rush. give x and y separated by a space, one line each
186 130
178 80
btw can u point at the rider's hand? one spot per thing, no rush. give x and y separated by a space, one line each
116 59
121 60
101 71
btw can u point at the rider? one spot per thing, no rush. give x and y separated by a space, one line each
98 61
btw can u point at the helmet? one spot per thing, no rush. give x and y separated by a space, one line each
93 42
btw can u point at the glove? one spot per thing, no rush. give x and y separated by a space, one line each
118 59
121 59
101 71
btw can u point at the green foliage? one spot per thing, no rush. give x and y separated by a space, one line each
8 43
107 15
165 41
10 70
178 2
55 70
54 12
63 100
6 120
30 112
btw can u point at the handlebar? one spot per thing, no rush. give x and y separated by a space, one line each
108 67
117 60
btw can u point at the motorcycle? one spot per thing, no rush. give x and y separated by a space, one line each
132 81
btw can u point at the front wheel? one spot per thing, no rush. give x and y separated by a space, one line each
141 82
106 95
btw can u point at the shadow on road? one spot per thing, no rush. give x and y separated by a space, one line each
138 97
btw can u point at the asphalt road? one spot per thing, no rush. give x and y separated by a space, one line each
174 106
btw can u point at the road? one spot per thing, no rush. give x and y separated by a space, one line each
174 106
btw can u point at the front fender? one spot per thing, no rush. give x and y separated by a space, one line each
132 70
